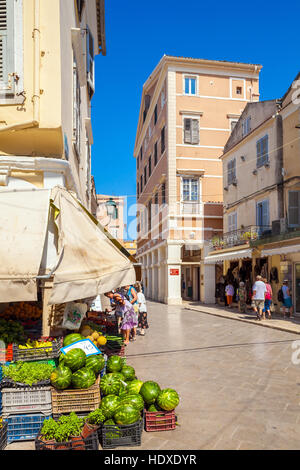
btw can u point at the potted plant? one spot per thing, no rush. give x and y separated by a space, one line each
62 436
48 432
92 422
76 425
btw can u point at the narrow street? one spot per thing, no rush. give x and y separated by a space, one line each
237 383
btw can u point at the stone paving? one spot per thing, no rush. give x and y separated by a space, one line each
238 385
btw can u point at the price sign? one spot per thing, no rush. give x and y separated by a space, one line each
85 344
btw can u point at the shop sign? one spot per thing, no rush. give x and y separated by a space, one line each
174 272
85 344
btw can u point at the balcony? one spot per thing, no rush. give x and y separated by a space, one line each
242 236
190 207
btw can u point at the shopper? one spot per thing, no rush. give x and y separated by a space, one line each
242 297
268 298
125 311
142 321
229 292
258 297
132 296
287 299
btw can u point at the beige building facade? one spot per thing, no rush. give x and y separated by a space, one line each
188 110
111 211
47 80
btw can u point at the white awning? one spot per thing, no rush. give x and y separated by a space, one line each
281 250
230 256
23 228
74 249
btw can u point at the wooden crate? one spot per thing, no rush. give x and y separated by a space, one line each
79 400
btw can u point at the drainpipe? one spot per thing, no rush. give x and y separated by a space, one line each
36 77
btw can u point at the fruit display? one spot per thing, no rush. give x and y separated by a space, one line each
95 336
22 311
133 399
72 338
28 373
114 364
75 359
83 378
168 399
134 386
126 413
128 372
110 384
96 363
150 391
109 404
61 377
35 344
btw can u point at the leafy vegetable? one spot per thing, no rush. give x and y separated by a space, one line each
28 373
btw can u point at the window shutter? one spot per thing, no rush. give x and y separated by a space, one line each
195 131
90 58
294 208
187 131
6 44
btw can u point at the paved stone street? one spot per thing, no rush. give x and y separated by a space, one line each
239 388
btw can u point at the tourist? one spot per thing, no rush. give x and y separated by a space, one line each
131 295
125 311
242 297
287 299
142 321
229 292
268 298
258 298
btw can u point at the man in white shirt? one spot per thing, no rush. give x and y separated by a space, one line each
258 297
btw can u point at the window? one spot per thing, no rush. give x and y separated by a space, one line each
294 209
239 90
149 166
149 215
156 202
262 213
163 193
162 140
190 189
262 151
141 154
155 154
138 189
137 163
80 5
141 183
155 114
90 66
231 171
145 176
190 85
232 222
76 110
246 126
191 131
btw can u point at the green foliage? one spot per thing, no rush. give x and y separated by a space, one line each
11 332
62 429
49 429
28 373
96 417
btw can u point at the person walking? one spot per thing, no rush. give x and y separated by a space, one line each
142 320
258 298
287 299
125 311
242 297
268 298
229 292
132 296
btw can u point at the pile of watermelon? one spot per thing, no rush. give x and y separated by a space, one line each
124 396
75 369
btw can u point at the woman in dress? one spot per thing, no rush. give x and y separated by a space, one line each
125 311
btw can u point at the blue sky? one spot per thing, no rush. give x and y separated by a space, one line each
139 33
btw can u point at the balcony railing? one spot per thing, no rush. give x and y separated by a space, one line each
241 236
190 207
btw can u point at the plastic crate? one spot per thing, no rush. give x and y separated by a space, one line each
24 427
112 436
26 400
160 421
89 443
114 350
3 436
36 354
6 354
79 400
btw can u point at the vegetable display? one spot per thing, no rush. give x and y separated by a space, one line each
149 391
83 378
11 332
61 377
28 373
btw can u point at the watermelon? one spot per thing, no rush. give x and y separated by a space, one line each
128 372
112 432
135 400
61 377
168 399
149 391
75 359
96 363
118 374
72 338
114 364
154 408
83 378
126 414
134 386
109 404
110 384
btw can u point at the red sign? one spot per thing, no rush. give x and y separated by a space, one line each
174 272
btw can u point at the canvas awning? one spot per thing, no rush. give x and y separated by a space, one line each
66 243
280 250
230 256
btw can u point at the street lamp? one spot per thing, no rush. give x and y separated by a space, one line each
111 208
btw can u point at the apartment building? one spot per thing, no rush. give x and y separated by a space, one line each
111 214
188 109
47 81
261 177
